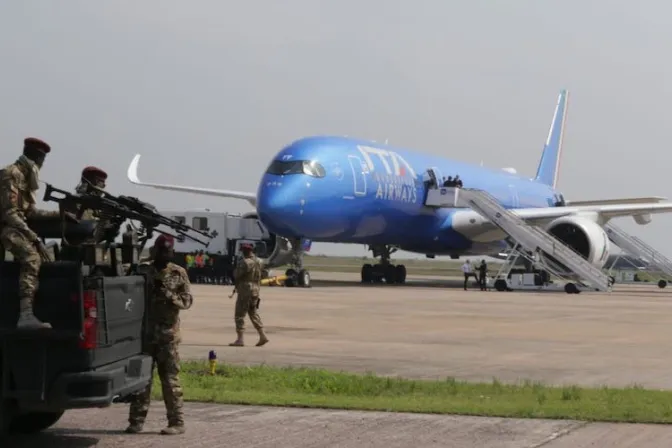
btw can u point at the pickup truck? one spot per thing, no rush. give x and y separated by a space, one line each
92 355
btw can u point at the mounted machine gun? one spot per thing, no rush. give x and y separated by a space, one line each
97 237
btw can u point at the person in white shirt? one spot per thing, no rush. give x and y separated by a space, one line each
466 270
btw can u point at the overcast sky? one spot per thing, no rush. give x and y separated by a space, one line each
209 91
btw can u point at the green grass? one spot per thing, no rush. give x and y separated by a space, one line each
302 387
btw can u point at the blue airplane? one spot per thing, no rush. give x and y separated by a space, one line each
346 190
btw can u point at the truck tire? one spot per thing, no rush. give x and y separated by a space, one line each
6 408
33 422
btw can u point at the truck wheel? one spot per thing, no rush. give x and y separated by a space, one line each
6 409
33 422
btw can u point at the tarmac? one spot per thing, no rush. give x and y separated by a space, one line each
429 328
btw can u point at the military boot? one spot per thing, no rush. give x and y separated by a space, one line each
134 428
262 337
173 430
27 320
238 342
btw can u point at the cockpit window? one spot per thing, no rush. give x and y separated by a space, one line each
283 168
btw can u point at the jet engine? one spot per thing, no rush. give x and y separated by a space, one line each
278 249
584 236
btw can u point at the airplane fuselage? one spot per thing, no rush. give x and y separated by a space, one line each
344 190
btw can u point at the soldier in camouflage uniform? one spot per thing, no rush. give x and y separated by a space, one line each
91 180
18 187
169 294
91 177
247 276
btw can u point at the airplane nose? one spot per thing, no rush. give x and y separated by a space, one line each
277 206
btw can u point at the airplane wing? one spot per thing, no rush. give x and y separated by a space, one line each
132 175
642 200
605 210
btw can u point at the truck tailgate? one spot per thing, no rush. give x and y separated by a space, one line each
120 314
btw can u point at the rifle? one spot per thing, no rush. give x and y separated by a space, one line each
117 209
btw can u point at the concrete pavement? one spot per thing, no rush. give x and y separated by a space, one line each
426 329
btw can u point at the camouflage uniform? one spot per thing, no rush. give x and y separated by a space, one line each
96 177
248 277
169 294
17 204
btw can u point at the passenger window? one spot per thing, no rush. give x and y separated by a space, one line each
180 219
199 223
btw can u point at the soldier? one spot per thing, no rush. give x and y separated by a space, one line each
18 185
248 281
169 294
92 179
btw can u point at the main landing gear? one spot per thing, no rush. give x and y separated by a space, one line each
297 275
385 270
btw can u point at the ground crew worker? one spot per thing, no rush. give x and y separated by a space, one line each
466 270
247 277
482 275
170 293
18 185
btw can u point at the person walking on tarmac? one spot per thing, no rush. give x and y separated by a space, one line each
247 276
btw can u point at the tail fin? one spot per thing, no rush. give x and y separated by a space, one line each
549 164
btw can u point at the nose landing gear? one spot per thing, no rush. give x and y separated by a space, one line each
297 275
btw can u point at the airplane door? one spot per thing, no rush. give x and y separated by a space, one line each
515 200
358 175
438 175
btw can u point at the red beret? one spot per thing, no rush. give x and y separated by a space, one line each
248 246
36 143
166 241
92 171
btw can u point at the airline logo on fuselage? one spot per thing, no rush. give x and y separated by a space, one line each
399 166
396 179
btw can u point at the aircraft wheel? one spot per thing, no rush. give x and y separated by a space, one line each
304 278
292 277
662 284
500 285
401 274
367 273
378 273
390 274
612 280
570 288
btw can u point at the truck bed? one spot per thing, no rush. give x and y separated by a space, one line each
93 353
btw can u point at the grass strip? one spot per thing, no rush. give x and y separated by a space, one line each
318 388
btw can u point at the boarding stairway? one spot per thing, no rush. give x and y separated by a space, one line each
531 238
638 248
